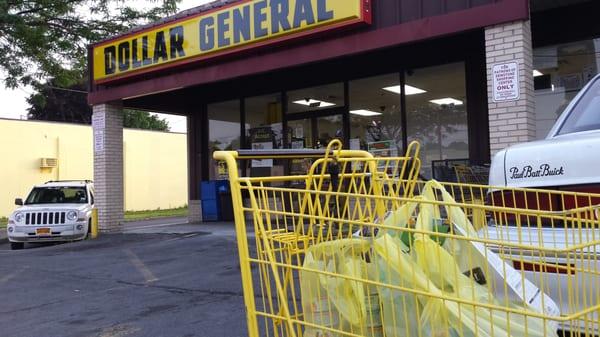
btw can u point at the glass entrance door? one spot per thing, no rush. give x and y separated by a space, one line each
329 128
315 132
301 135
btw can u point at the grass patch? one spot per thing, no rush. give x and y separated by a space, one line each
159 213
3 222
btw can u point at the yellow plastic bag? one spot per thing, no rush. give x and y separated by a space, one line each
428 267
399 309
329 300
502 281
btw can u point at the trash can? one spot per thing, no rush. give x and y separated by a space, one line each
211 200
226 202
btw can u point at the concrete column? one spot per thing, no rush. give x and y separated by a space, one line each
195 211
194 168
511 121
107 123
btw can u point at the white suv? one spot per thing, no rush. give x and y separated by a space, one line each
54 211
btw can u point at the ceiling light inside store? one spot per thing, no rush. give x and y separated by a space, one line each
365 113
313 103
446 101
537 73
409 90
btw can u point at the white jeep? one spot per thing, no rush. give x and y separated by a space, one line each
54 211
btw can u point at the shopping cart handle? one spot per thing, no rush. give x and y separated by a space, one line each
283 154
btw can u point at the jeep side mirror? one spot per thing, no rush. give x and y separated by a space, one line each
19 202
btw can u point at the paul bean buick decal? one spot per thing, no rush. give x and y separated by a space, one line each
544 170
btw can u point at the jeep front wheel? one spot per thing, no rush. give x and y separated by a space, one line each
17 245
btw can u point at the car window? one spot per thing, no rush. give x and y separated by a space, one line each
585 116
57 195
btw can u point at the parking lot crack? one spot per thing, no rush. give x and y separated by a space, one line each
180 290
39 306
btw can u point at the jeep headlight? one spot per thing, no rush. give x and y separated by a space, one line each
72 215
19 217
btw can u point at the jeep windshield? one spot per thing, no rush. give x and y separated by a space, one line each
57 195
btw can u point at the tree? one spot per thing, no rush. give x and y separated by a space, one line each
48 38
137 119
69 105
51 103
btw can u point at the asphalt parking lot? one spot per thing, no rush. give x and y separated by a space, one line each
152 281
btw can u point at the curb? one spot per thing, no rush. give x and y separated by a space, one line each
3 236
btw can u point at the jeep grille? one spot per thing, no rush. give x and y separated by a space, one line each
45 218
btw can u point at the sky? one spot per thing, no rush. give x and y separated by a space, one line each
14 104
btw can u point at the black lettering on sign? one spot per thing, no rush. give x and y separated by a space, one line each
241 24
124 54
322 13
207 33
222 29
110 60
160 48
260 17
303 13
177 39
136 61
528 171
280 9
146 61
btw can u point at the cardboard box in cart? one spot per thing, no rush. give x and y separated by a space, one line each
497 272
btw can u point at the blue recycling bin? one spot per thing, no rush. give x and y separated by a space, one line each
210 193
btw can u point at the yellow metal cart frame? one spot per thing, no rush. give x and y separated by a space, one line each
363 249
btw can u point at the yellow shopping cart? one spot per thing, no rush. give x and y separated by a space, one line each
364 249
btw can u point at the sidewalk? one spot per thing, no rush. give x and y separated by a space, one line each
178 225
173 226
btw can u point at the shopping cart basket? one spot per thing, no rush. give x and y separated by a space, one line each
365 250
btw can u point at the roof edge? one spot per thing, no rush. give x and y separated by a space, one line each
176 17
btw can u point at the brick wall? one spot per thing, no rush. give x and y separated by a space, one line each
107 124
511 122
195 211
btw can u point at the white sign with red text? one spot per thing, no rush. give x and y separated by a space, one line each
505 82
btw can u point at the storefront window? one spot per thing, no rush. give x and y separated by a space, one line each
436 111
316 98
223 131
264 131
375 113
560 71
329 128
263 118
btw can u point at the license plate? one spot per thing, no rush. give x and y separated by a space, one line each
43 231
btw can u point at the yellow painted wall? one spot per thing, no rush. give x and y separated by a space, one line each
155 162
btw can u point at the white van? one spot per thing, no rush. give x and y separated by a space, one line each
567 160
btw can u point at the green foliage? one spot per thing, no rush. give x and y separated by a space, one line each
159 213
53 103
3 222
69 105
48 38
137 119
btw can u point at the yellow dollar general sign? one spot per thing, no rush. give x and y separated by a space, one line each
242 25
